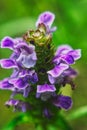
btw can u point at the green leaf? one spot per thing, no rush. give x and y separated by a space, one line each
80 112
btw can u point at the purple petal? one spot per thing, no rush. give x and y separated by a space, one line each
58 70
47 113
15 73
38 95
64 102
63 49
18 105
45 88
47 18
70 72
12 102
14 55
26 91
20 83
18 40
29 49
23 106
34 78
30 74
76 54
27 72
7 42
56 59
57 80
53 29
7 63
68 59
6 85
51 79
67 54
28 61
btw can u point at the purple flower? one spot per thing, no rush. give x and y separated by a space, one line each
56 72
38 72
45 88
12 102
7 42
26 60
65 78
47 19
21 60
64 102
66 54
4 84
70 72
22 81
23 55
8 63
24 91
19 83
45 91
62 73
18 105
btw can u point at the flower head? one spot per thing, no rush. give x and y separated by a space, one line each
38 71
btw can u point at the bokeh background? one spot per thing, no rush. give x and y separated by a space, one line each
17 16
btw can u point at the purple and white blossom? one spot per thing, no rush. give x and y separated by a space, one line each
23 55
18 105
64 102
45 91
67 55
45 88
4 84
64 57
21 61
56 72
47 19
38 72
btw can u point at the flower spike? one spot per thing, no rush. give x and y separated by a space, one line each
39 72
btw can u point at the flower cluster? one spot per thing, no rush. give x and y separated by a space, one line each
38 71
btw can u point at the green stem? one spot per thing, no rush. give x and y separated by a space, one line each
22 118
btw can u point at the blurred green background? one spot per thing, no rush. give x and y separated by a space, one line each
17 16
